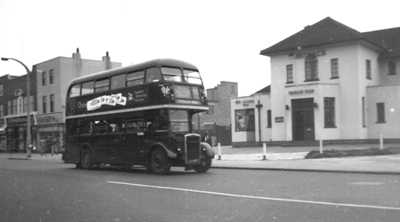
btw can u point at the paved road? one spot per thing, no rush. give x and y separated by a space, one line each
49 190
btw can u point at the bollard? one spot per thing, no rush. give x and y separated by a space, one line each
381 142
219 151
320 146
264 151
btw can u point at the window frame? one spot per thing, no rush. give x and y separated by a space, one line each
44 80
51 76
311 68
334 68
289 74
368 69
329 112
380 113
44 104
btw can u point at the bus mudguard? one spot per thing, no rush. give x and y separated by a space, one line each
169 152
209 149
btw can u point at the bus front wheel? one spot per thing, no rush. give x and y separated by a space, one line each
204 166
86 159
159 162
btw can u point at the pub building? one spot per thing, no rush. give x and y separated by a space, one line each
333 83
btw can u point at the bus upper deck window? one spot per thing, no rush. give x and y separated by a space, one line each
118 81
192 76
75 90
135 78
172 74
153 75
87 88
102 85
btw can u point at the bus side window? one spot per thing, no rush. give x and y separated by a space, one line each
134 125
118 81
115 126
134 78
87 88
153 75
100 127
85 127
75 90
101 85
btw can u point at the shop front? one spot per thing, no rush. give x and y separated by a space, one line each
50 133
16 132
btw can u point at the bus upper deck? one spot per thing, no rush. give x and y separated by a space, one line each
167 83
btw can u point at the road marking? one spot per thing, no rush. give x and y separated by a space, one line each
255 197
367 183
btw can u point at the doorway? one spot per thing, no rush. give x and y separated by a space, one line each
303 119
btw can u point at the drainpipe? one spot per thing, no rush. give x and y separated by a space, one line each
259 105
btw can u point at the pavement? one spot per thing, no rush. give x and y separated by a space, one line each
280 158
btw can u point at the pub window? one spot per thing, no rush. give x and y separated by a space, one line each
329 111
135 78
87 88
380 108
334 68
311 67
368 68
269 116
244 120
43 78
52 103
392 67
51 73
44 104
118 81
101 85
363 111
289 73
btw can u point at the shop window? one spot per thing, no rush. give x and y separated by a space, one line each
289 73
368 69
244 120
380 108
392 67
329 111
334 68
311 64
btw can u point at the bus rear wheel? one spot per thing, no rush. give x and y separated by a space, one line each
204 166
159 162
86 159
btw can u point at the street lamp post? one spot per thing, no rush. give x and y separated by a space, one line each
28 107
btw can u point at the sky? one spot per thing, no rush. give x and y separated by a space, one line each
223 38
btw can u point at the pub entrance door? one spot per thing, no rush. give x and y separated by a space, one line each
303 119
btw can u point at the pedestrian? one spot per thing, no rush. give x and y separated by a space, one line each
207 138
42 147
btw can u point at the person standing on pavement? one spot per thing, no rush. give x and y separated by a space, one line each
207 138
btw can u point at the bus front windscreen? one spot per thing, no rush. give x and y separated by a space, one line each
179 120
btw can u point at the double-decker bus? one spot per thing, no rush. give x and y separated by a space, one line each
137 115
